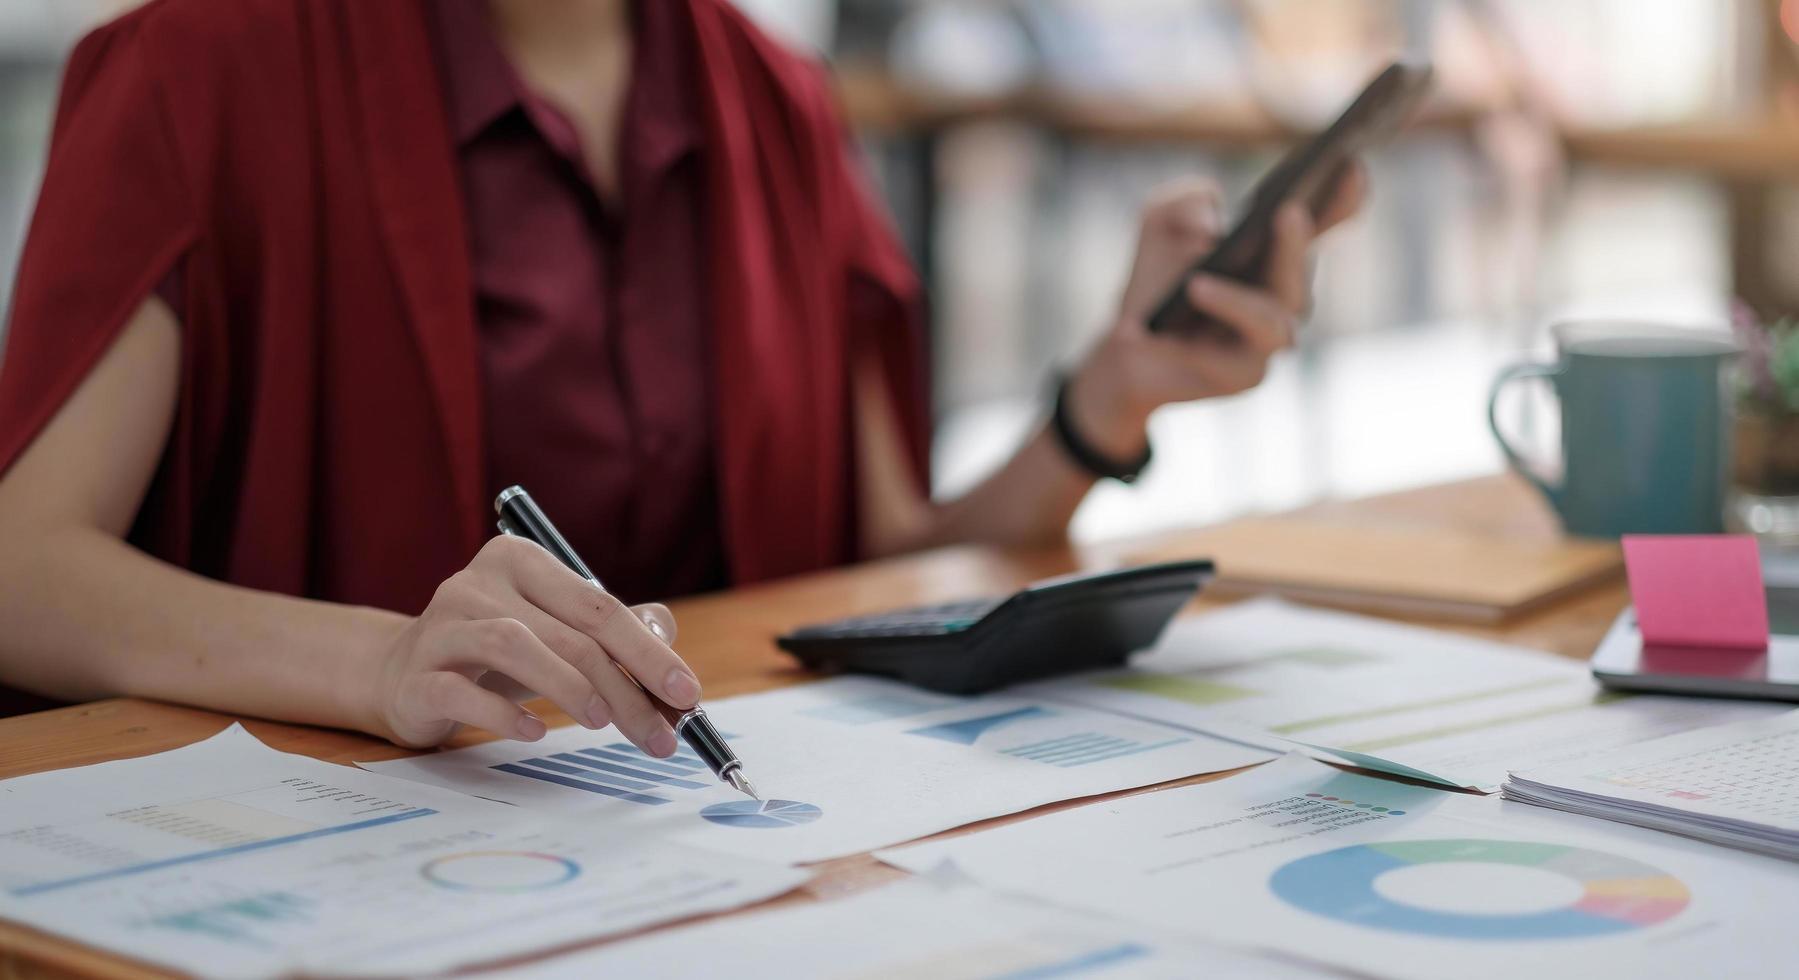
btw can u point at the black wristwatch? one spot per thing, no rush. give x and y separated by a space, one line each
1082 452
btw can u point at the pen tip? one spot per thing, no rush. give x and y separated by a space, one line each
743 784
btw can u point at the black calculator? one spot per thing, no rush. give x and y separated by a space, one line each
1057 626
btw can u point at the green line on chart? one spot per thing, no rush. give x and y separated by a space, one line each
1399 709
1190 687
1376 745
1179 687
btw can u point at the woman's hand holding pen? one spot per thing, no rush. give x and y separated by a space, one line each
517 623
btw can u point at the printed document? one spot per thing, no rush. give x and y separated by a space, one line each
1417 702
227 858
845 766
1396 880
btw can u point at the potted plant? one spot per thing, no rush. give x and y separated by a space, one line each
1767 429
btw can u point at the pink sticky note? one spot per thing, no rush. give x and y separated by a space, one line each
1698 590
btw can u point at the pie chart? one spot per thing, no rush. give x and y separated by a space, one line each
762 814
1481 889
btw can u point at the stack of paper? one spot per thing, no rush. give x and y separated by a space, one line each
1736 785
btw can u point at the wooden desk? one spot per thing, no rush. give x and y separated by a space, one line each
727 638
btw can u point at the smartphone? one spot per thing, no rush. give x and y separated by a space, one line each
1308 173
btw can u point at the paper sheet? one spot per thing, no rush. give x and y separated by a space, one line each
227 858
1398 698
845 765
913 929
1396 880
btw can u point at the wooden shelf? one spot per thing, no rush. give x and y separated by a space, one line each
1743 149
875 102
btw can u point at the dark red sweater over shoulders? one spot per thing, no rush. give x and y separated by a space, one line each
293 160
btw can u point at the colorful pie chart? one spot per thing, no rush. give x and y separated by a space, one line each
1598 893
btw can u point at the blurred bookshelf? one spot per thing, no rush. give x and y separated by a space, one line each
876 103
1751 154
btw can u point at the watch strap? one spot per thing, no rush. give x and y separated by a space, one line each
1082 452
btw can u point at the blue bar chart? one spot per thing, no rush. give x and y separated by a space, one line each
617 770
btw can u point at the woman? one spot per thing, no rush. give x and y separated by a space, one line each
310 280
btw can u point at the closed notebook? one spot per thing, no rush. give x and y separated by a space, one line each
1460 575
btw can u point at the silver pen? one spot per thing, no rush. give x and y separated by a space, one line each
520 516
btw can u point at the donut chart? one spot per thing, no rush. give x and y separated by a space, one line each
1616 894
500 871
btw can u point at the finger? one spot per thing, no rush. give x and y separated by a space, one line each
461 700
1258 319
616 699
1188 203
1348 196
505 686
1182 219
659 619
1287 272
510 647
1191 218
547 584
632 711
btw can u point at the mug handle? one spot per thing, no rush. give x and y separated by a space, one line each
1520 372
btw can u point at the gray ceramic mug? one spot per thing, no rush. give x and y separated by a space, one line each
1646 426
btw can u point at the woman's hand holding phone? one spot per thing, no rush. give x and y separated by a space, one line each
1132 371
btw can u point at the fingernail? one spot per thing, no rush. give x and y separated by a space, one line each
597 714
662 744
683 688
531 728
656 628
